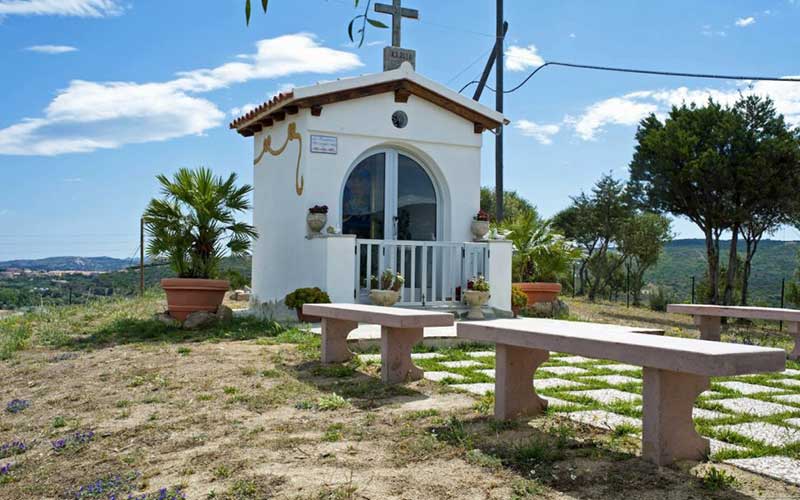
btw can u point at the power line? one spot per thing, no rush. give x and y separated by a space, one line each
473 63
638 71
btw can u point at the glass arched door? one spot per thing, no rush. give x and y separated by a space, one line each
390 196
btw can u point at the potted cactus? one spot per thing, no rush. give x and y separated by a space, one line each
192 227
388 288
476 296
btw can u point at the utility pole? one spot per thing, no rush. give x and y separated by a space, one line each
498 141
141 256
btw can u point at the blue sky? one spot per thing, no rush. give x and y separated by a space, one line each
99 96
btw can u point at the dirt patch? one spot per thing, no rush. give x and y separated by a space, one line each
242 419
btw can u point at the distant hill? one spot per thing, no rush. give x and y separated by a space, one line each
70 264
683 259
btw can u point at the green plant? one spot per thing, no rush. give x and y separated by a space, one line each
659 298
296 299
717 479
193 225
518 297
478 284
330 402
540 253
388 281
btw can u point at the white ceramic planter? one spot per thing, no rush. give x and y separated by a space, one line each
386 298
480 228
316 221
475 300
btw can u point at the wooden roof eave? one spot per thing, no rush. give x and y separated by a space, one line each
482 122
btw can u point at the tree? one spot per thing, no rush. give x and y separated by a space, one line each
540 253
514 205
577 223
360 31
643 239
683 166
193 226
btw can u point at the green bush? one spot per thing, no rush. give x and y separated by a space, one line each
296 299
659 298
518 297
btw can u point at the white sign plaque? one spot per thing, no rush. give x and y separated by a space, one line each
325 144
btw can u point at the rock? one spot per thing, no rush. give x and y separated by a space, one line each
167 320
224 313
199 319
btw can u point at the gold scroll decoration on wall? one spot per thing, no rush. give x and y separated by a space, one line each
291 135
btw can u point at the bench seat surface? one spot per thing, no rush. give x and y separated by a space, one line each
747 312
393 317
624 344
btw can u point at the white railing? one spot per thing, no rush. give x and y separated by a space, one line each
435 272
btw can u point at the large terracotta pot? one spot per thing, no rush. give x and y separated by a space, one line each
186 295
540 292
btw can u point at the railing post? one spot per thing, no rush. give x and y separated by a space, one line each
498 270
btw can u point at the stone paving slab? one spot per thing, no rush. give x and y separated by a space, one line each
788 398
603 419
750 406
620 367
369 357
552 383
562 370
748 389
770 434
790 382
441 376
710 394
781 468
467 363
426 355
791 372
793 421
559 403
575 359
615 379
480 389
608 396
717 446
708 414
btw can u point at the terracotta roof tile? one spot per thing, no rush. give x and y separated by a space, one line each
278 99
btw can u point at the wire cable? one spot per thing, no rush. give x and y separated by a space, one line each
638 71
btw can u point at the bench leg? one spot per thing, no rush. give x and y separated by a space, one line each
794 331
396 363
334 340
514 394
668 432
710 327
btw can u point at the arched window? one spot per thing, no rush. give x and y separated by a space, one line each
389 195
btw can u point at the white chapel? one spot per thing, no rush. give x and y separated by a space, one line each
396 159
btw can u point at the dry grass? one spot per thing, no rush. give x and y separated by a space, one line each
247 413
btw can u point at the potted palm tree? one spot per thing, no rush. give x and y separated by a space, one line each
192 227
541 258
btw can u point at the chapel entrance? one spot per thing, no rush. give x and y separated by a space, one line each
390 196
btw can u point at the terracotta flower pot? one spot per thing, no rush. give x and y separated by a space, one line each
540 292
186 295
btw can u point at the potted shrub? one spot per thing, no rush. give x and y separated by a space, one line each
541 257
296 299
317 218
518 300
480 225
476 296
193 226
388 288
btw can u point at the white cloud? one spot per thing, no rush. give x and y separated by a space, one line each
522 58
710 32
543 133
631 108
51 49
243 109
572 35
743 22
87 116
76 8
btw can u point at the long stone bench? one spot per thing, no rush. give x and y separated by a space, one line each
675 372
400 330
708 319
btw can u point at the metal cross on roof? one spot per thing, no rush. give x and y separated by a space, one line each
398 13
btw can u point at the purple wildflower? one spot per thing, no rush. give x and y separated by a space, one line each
76 438
17 405
13 448
6 468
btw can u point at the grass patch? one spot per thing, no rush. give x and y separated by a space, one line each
717 479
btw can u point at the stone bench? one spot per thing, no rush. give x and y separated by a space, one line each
708 319
400 330
675 372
